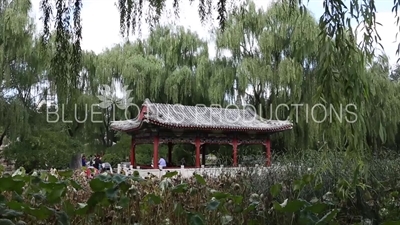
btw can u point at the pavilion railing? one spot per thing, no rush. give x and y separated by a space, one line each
188 172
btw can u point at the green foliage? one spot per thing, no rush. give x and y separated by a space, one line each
290 195
47 149
113 159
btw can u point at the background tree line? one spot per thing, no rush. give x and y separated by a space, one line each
264 58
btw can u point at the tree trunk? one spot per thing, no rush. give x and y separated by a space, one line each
76 162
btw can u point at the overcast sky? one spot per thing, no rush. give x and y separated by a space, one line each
100 21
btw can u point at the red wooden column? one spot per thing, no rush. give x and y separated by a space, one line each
170 147
155 152
235 145
133 153
197 144
268 148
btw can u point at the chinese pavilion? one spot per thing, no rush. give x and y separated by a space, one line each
174 123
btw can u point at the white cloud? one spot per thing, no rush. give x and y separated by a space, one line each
387 31
100 22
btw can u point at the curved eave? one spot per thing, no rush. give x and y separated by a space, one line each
225 128
137 127
208 127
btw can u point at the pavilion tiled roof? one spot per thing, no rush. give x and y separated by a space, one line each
204 118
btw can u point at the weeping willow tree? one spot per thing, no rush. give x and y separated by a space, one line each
274 58
241 40
290 44
171 65
185 61
278 56
25 77
128 68
385 104
21 67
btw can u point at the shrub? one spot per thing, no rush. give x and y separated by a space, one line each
113 159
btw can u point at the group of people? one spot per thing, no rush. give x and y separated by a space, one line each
96 162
